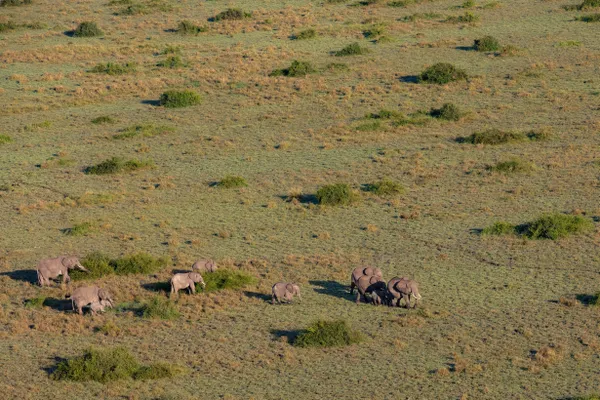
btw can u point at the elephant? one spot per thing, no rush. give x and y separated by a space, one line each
403 288
284 291
99 306
202 266
367 284
380 296
362 271
52 268
186 280
87 295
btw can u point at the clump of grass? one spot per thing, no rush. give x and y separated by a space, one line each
171 49
369 126
400 3
306 34
225 279
442 73
232 14
97 264
172 62
556 226
487 43
115 165
139 263
81 229
512 166
335 195
146 130
499 228
374 32
5 139
467 18
135 9
352 49
337 67
386 114
158 371
231 181
114 68
87 29
296 69
7 26
36 302
327 334
385 187
591 397
160 307
448 112
179 98
587 4
14 3
418 16
589 18
186 27
103 119
494 137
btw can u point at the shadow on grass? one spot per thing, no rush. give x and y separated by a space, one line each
133 307
58 304
164 287
290 335
303 198
409 79
23 275
255 295
465 48
154 103
332 288
588 299
57 360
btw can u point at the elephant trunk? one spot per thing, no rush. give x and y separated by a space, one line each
417 295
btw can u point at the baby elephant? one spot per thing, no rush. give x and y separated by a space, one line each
186 280
87 295
202 266
284 291
403 288
367 284
362 271
99 306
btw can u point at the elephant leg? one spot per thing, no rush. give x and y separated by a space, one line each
406 300
352 286
416 302
358 297
192 289
272 299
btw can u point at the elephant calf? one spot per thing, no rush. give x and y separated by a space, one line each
99 306
367 284
186 280
202 266
52 268
88 295
403 288
362 271
284 291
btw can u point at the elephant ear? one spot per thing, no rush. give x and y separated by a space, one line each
65 261
289 287
368 271
103 294
373 279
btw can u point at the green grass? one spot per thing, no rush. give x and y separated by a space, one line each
159 307
114 68
82 229
487 43
14 3
97 264
499 228
103 119
339 194
306 34
139 263
7 26
327 334
494 137
556 226
448 112
143 130
232 14
296 69
158 371
466 18
231 182
172 62
4 139
386 187
117 165
186 27
353 49
179 99
35 302
589 18
87 29
512 166
442 73
226 279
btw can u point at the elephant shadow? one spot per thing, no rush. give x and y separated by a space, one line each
50 369
23 275
332 288
587 299
157 287
58 304
289 335
255 295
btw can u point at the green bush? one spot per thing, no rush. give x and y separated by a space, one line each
448 112
353 49
336 194
114 69
494 136
179 98
172 62
467 18
145 130
157 371
139 263
231 181
499 228
556 226
135 9
97 264
232 14
589 18
79 229
104 119
374 32
327 334
586 5
115 165
87 29
512 166
296 69
36 302
487 43
385 187
160 307
7 26
5 139
306 34
171 49
186 27
225 279
442 73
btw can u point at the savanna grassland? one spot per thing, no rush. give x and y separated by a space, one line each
282 103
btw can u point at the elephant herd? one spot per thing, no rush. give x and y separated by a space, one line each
367 281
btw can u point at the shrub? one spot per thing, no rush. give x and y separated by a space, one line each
231 181
186 27
540 134
374 32
467 17
87 29
512 166
589 18
386 114
337 194
487 43
232 14
157 371
442 73
385 187
36 302
400 3
114 69
135 9
7 26
146 130
97 264
588 4
179 98
172 62
499 228
334 67
171 49
353 49
79 229
296 69
556 226
327 334
225 279
98 365
115 165
306 34
5 139
14 3
493 137
160 307
448 112
104 119
369 126
140 263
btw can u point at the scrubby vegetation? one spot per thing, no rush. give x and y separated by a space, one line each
87 29
103 119
172 62
81 229
114 68
487 43
179 99
448 112
296 69
494 137
186 27
442 73
99 265
232 14
512 166
589 18
467 18
550 226
161 308
116 165
225 279
328 334
5 139
353 49
335 195
231 181
499 228
144 130
385 187
7 26
306 34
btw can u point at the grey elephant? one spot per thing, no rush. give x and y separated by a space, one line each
284 291
99 306
367 284
87 295
362 271
380 296
202 266
186 280
403 288
52 268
